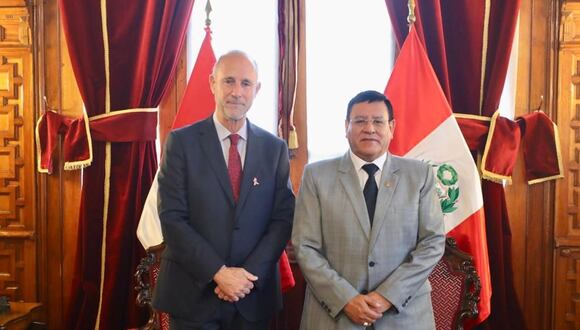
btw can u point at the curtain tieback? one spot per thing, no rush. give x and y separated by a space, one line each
500 139
129 125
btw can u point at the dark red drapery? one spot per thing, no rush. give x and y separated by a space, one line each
122 71
466 41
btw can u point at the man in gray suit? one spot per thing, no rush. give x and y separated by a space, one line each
368 230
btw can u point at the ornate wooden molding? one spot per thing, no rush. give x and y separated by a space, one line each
568 288
15 27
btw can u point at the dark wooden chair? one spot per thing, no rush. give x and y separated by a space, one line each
456 288
146 276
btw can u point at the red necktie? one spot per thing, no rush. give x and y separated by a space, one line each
235 166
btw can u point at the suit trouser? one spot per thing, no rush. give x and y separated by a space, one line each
226 317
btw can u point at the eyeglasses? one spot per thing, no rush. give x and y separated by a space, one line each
363 122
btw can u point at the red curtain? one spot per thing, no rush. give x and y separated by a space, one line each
453 34
125 66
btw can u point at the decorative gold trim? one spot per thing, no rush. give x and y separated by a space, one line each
38 147
70 166
292 139
411 17
468 116
559 157
497 178
485 174
122 112
107 158
540 180
484 42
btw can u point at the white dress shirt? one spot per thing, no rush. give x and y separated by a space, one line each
362 174
223 134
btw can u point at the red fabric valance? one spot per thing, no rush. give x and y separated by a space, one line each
124 127
499 139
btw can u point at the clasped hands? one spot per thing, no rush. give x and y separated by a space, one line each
365 309
233 283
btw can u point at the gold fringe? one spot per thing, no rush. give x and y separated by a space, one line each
468 116
73 166
497 178
104 28
38 147
89 141
540 180
488 175
121 112
484 42
558 149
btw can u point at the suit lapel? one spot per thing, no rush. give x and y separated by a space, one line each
351 185
211 146
388 184
251 166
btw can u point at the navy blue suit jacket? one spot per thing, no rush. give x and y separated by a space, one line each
204 229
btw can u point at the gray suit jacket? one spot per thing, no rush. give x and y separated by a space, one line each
341 255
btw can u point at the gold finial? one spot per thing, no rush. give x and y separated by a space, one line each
207 11
411 18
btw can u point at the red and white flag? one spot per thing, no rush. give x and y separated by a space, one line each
426 130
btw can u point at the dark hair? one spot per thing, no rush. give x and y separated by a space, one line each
370 97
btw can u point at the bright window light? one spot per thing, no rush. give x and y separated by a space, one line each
350 48
251 26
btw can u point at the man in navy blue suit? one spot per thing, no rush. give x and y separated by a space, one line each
226 208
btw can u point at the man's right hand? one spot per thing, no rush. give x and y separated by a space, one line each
234 283
361 310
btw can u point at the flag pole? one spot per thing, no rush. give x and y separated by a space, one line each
208 10
411 17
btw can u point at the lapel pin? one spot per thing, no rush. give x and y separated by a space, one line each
388 184
255 182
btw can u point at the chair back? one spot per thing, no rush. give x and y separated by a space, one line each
146 275
456 288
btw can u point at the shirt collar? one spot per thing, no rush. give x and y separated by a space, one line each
223 133
358 162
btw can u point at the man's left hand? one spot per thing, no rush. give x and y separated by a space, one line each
221 294
383 304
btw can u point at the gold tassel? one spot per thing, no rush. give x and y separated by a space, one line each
293 139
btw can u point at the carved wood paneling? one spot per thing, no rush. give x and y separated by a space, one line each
566 312
567 288
59 192
567 220
17 175
14 27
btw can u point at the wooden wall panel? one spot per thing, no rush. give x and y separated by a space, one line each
530 207
567 288
18 233
566 314
60 191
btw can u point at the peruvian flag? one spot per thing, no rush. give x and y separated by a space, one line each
426 130
197 104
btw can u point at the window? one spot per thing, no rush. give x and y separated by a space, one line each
250 26
350 48
507 103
